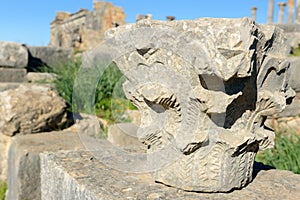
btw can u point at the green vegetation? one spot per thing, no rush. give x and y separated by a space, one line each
285 154
3 188
296 52
86 91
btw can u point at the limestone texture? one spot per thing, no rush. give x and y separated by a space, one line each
204 89
124 135
13 55
31 108
78 175
36 77
52 57
294 73
24 180
8 86
13 75
5 142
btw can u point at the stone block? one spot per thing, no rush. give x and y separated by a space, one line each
13 55
24 161
53 57
8 86
294 73
36 77
78 175
12 74
31 108
124 135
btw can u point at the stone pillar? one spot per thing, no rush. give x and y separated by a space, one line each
270 12
298 12
253 12
291 8
281 12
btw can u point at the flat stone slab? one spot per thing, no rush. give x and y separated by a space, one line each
8 86
78 175
38 77
24 161
13 74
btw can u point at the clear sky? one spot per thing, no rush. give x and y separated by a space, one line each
28 21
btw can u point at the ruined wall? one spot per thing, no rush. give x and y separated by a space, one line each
85 29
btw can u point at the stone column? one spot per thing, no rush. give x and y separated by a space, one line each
281 12
298 12
291 8
270 12
253 12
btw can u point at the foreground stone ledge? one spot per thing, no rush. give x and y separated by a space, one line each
24 161
78 175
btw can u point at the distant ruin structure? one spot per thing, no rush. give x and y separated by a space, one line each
298 12
141 17
291 8
170 18
270 12
85 29
281 12
292 16
253 11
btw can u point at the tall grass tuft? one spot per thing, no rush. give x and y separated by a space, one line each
285 154
108 100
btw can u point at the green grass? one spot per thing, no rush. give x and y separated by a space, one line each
3 188
285 154
89 93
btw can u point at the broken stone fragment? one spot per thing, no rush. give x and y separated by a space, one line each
31 108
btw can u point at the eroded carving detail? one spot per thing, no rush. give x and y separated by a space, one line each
204 88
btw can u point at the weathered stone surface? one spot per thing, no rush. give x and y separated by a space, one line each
124 135
35 77
78 175
135 116
24 161
53 57
204 89
85 29
5 142
8 86
13 55
12 75
294 73
291 110
31 109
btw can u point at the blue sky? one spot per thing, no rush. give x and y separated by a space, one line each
28 21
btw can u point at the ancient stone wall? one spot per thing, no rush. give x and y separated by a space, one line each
85 29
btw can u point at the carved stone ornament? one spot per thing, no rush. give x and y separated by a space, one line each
204 89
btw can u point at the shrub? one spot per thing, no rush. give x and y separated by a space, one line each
105 94
285 154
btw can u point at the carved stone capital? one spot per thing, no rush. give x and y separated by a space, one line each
204 88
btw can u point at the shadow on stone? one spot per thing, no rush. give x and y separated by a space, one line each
259 166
